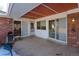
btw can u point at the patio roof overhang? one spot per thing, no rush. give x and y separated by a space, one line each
47 9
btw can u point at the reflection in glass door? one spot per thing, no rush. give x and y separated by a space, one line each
52 28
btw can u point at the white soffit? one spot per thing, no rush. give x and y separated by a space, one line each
19 9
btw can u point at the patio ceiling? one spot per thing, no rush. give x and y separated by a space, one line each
46 9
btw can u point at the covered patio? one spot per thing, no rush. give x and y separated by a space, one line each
35 46
40 29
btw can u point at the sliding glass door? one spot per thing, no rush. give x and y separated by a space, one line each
58 29
52 28
62 29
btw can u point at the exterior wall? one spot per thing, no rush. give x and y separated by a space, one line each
5 27
42 33
45 33
73 36
25 26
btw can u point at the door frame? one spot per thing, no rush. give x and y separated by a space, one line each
20 26
32 33
54 39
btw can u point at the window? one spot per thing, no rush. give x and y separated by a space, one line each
32 27
38 25
41 25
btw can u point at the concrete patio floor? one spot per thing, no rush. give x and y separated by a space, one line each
34 46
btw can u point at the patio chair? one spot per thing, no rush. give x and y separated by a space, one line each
9 44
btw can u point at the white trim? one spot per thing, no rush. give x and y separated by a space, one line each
55 28
66 30
20 36
10 8
32 33
57 41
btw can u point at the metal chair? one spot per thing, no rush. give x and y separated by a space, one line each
8 46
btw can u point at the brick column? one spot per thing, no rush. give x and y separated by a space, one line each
4 28
73 39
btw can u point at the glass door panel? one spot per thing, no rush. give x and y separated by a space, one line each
61 29
57 29
52 28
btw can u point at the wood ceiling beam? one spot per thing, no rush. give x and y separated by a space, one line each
30 16
49 8
37 13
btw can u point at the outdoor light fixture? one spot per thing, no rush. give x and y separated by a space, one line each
73 25
73 20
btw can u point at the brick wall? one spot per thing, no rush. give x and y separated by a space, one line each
5 27
73 36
